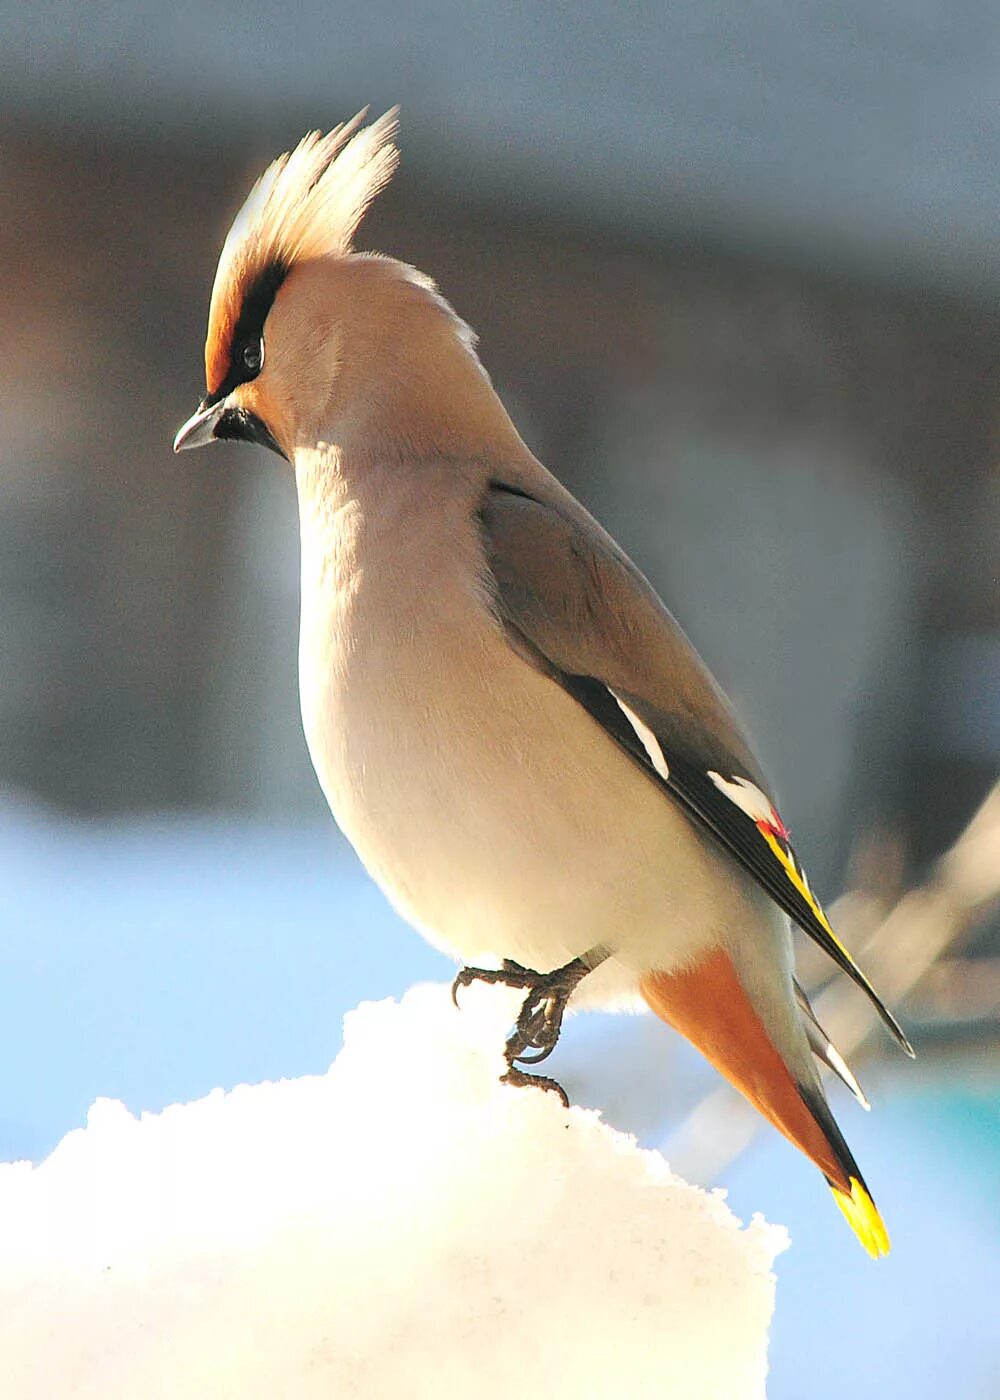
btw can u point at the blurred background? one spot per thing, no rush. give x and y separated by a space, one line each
736 273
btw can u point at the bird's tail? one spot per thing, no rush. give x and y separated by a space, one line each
708 1005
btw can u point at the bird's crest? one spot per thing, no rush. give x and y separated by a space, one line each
307 204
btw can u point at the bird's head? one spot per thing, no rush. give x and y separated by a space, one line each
274 354
313 344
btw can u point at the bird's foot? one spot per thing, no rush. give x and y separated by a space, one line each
539 1021
540 1018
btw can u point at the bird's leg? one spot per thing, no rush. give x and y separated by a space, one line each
539 1022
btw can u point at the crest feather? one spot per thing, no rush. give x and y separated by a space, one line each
310 201
307 204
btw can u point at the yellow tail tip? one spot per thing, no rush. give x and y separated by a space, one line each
860 1213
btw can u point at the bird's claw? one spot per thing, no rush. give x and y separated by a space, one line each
508 974
539 1021
520 1079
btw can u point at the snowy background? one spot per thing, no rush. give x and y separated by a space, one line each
402 1226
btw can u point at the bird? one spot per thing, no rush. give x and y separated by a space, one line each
520 742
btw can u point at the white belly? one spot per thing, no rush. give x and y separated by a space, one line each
494 813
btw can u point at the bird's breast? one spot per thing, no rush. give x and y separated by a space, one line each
494 812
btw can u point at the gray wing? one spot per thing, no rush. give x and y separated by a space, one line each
575 606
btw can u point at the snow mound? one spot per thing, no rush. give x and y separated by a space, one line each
403 1226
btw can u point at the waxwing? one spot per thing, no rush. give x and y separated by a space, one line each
518 739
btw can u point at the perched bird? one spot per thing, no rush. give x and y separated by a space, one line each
514 733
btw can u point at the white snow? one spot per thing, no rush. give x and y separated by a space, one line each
403 1226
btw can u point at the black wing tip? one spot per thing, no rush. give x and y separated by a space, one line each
814 929
892 1025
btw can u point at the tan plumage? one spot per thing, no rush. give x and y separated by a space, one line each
518 739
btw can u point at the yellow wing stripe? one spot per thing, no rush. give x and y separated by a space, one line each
800 882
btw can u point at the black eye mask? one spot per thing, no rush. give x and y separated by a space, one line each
246 349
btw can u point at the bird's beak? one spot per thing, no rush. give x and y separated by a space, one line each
221 421
200 427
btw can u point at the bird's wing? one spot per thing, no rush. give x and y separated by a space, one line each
575 606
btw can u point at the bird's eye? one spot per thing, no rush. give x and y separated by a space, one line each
253 356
